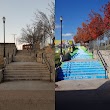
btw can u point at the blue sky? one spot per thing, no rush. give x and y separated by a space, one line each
18 13
74 12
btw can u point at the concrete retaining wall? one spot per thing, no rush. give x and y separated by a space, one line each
50 53
10 48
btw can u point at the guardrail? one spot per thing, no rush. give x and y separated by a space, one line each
45 60
103 62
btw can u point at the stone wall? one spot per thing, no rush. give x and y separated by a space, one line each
10 50
50 55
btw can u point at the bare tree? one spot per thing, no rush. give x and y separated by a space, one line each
31 35
48 22
42 27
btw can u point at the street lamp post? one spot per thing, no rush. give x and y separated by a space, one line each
4 34
61 19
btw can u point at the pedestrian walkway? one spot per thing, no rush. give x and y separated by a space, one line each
83 94
27 85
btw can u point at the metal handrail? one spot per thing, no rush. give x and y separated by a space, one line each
44 58
103 62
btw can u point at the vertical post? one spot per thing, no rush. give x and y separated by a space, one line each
42 58
61 37
61 32
8 58
14 37
4 35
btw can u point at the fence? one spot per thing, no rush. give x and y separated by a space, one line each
102 42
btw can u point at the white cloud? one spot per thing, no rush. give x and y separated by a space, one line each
67 35
57 26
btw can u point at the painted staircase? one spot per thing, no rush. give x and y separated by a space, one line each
81 66
25 67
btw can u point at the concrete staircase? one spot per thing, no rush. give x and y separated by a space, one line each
24 56
81 66
24 67
26 71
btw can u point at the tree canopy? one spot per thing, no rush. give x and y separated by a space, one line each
96 25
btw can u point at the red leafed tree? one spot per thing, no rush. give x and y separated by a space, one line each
85 32
75 39
107 15
96 25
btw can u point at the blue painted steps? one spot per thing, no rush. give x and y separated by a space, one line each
78 70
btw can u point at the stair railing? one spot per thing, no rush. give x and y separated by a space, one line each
103 62
45 60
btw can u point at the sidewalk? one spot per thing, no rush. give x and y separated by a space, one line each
27 85
85 94
27 95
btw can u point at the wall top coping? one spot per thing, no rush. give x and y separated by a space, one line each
8 43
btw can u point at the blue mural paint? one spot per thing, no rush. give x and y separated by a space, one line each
79 70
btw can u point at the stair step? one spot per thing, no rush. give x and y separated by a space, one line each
76 74
26 71
26 78
32 73
26 75
82 77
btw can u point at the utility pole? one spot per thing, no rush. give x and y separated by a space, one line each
14 37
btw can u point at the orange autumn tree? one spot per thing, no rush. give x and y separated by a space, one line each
96 25
76 39
83 34
106 11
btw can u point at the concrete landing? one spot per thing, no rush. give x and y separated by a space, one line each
27 85
80 84
27 95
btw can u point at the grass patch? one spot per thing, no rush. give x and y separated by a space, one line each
57 58
74 52
85 50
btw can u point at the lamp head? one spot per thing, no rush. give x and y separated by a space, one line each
4 19
61 19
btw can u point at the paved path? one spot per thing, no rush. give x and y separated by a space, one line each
85 94
80 84
27 100
27 95
27 85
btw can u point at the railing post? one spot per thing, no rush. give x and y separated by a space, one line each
36 57
50 73
42 58
8 57
3 69
12 58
